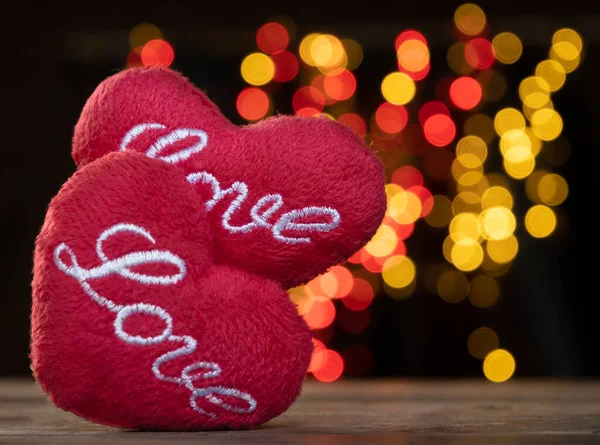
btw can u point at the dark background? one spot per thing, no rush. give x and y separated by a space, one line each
54 56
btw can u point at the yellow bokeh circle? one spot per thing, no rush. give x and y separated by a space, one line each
398 271
258 69
499 366
398 88
540 221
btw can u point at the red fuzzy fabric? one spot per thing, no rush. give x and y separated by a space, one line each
308 161
242 322
160 272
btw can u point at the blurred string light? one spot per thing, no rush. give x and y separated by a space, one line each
148 47
408 133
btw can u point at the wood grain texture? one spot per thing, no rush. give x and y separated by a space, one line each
354 412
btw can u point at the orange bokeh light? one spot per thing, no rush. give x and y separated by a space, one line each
308 97
430 108
252 103
286 66
332 367
345 280
308 112
355 122
439 130
340 86
360 297
479 53
158 53
465 93
320 314
272 38
409 34
424 196
391 118
407 176
413 55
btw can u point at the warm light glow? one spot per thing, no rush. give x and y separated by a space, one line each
546 124
405 207
439 130
340 86
327 53
398 271
406 177
540 221
413 55
441 212
305 49
471 151
252 104
355 122
453 286
519 162
552 72
286 66
398 88
465 93
499 366
143 33
466 255
465 226
272 38
497 196
308 97
504 250
466 176
383 242
481 342
466 202
158 53
534 91
479 53
568 36
552 189
498 223
469 19
391 118
318 355
354 53
258 69
321 313
508 119
430 108
360 297
331 368
456 59
484 291
507 47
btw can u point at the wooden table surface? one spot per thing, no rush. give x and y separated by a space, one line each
354 412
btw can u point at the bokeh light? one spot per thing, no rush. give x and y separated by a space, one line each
497 196
360 297
471 151
320 313
383 242
340 86
540 221
391 118
546 124
257 69
252 104
327 53
480 125
534 91
552 189
398 88
143 33
272 38
355 122
413 55
466 254
286 66
497 223
465 93
469 19
453 286
439 130
354 53
456 59
431 108
157 53
508 119
499 366
398 271
507 47
504 250
331 368
481 342
552 73
308 97
484 291
479 53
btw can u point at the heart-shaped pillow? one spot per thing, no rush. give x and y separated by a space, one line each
289 196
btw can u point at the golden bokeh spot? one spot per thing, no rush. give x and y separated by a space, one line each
492 268
536 143
465 225
453 286
499 366
328 54
547 124
540 221
534 91
392 190
514 138
519 162
354 53
466 202
478 188
498 179
456 59
413 55
484 291
504 250
383 243
571 37
528 111
466 255
143 33
507 47
498 223
508 119
497 197
552 189
305 48
400 293
480 125
441 212
469 19
565 48
447 247
398 271
258 69
531 185
398 88
405 207
552 72
466 176
471 151
481 342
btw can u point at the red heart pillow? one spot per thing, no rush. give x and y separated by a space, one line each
289 196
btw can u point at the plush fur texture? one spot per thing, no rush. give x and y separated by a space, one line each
242 322
308 161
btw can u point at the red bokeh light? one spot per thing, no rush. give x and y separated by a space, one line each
355 122
425 197
353 322
135 57
416 75
409 34
430 108
370 262
308 97
407 176
465 93
439 130
340 86
391 118
252 103
479 53
158 53
360 297
320 314
332 367
286 66
307 112
272 38
356 258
